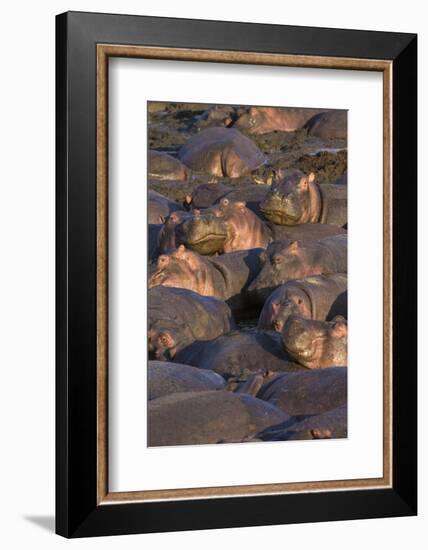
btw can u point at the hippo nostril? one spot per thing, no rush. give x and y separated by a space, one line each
277 325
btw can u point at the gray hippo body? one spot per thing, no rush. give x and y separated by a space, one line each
305 231
197 418
160 207
285 260
177 317
331 424
164 378
240 354
221 152
329 125
166 167
310 392
320 297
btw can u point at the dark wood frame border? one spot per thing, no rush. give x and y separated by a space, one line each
85 41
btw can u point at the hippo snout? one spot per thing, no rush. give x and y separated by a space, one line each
298 335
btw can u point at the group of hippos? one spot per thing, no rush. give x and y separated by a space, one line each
247 288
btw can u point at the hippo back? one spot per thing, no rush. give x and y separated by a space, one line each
164 378
309 392
205 317
331 424
195 152
334 198
195 418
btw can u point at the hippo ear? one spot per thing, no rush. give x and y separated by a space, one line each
180 251
252 111
163 260
275 307
188 199
304 183
311 177
340 327
293 247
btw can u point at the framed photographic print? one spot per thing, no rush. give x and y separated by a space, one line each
236 274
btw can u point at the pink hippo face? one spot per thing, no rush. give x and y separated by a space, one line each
316 344
285 301
283 261
293 201
182 268
245 230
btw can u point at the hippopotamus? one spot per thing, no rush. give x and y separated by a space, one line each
316 344
298 199
166 167
206 195
177 317
240 354
226 277
321 297
197 418
201 232
221 152
245 230
331 424
218 115
286 260
309 392
329 125
226 227
160 207
262 120
164 378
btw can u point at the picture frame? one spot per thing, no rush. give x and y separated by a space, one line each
84 44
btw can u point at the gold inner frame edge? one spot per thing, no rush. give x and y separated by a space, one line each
104 51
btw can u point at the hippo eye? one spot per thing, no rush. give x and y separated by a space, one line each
164 339
173 218
299 301
276 260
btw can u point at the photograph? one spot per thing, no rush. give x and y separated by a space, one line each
247 273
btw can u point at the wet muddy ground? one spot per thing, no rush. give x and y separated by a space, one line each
170 125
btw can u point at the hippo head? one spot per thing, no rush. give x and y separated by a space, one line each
166 337
293 302
281 262
316 344
180 268
167 239
294 200
202 231
251 121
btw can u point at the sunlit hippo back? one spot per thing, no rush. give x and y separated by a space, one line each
221 152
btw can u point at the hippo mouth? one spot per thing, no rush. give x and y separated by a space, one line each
208 243
306 352
206 238
278 216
